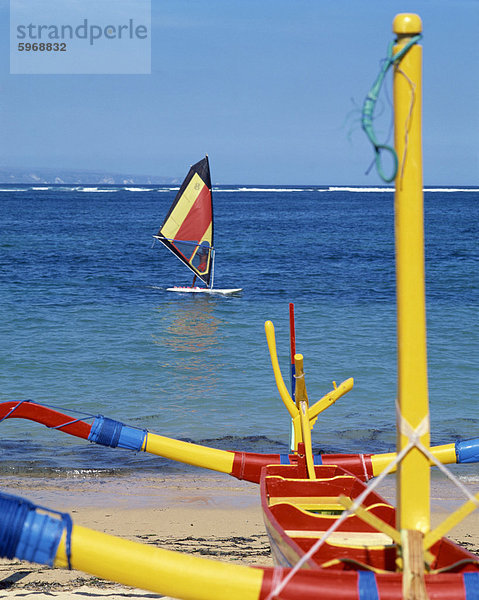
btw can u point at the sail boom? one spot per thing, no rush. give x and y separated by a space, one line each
162 237
178 255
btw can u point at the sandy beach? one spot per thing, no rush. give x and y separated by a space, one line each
208 515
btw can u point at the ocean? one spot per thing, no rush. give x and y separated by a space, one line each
88 326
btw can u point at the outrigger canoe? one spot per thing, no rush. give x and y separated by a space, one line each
246 466
331 534
29 532
363 554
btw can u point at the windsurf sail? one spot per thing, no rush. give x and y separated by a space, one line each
188 227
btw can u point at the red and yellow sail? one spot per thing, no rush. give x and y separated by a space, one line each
188 227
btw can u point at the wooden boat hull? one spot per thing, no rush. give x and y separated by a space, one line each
297 512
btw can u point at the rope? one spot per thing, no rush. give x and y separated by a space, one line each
363 462
59 408
70 410
414 436
104 431
370 104
65 424
406 128
84 414
14 409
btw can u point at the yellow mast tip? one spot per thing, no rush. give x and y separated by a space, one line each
407 24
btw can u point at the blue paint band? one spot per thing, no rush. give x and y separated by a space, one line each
132 438
285 459
111 433
28 535
105 432
471 585
467 451
14 512
40 538
367 586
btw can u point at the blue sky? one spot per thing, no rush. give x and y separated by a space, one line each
270 89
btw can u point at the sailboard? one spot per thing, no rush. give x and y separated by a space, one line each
188 230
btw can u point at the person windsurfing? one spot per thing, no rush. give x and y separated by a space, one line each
203 262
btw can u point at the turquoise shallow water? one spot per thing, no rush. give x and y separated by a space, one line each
87 324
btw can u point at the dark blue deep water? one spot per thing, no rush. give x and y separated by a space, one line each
87 324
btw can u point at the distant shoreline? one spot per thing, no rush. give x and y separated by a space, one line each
78 177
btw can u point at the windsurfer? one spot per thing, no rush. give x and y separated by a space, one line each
203 262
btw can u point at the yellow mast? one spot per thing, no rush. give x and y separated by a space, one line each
413 472
413 475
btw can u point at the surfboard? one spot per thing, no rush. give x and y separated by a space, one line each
198 290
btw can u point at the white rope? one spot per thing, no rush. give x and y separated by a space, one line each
408 121
414 436
363 462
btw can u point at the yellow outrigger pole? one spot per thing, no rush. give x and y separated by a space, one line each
161 571
413 474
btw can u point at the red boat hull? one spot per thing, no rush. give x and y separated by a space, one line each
355 556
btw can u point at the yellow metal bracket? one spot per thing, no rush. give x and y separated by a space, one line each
282 389
378 524
451 521
292 407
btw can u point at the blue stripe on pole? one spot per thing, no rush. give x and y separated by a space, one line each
467 451
28 535
40 538
367 586
285 459
471 585
14 512
111 433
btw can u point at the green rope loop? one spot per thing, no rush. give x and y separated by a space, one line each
370 104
